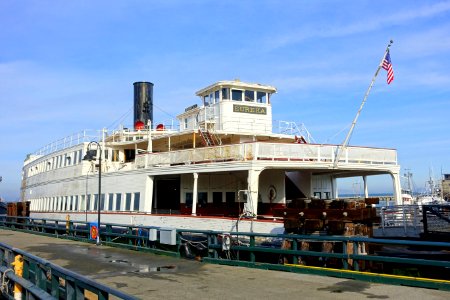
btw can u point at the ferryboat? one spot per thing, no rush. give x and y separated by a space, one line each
226 166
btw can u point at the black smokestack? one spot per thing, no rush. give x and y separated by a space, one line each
143 104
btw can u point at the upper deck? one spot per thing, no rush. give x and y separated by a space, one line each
238 114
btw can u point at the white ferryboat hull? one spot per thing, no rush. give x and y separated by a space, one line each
222 224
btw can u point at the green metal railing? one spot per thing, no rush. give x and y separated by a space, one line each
42 279
406 262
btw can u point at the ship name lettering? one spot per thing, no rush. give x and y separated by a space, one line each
249 109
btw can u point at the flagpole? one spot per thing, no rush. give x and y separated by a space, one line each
349 134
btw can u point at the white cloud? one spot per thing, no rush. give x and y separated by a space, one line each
380 20
336 80
424 43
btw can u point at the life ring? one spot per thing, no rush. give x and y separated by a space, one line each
272 193
226 242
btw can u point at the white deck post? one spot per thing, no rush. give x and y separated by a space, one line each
253 189
397 188
366 189
194 195
334 188
148 198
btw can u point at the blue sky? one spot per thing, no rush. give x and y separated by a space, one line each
66 66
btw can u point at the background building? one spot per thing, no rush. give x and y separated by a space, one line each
446 187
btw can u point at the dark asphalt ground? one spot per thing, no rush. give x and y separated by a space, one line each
150 276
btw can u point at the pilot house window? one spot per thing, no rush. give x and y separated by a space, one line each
217 96
225 93
250 96
236 95
261 97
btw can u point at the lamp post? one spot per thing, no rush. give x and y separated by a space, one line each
90 156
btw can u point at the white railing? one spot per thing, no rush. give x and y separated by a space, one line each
292 128
269 151
407 218
69 141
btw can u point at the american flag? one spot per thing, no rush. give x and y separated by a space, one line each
387 65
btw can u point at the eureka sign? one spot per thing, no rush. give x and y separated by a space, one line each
249 109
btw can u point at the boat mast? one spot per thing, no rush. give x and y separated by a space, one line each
349 134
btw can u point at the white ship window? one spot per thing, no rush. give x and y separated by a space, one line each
118 201
110 201
236 95
83 203
69 160
128 201
137 198
88 202
211 98
217 96
102 202
250 96
95 202
75 206
261 97
225 94
206 100
80 152
70 205
186 123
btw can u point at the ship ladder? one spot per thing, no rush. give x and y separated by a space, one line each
207 138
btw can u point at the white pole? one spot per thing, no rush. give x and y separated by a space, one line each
194 195
347 138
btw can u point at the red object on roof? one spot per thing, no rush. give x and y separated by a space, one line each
139 125
160 127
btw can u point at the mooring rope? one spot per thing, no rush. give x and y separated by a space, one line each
5 282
